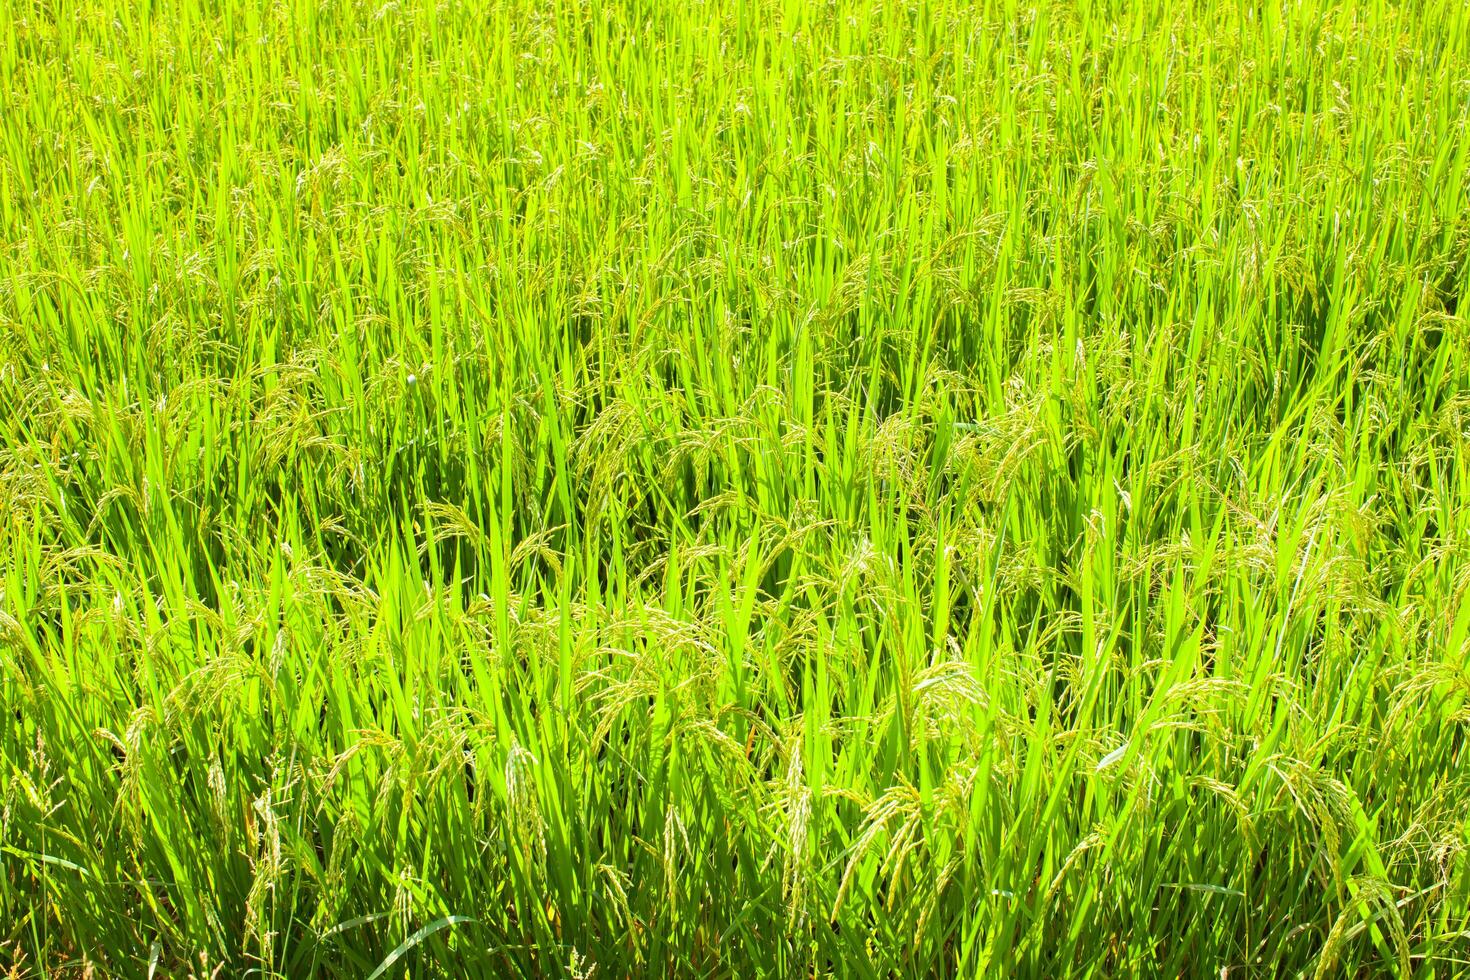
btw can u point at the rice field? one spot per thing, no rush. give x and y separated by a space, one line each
780 488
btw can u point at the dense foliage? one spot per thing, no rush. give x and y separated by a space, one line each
775 488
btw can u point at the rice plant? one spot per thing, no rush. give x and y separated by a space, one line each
619 488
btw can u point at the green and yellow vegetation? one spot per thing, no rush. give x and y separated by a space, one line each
782 488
